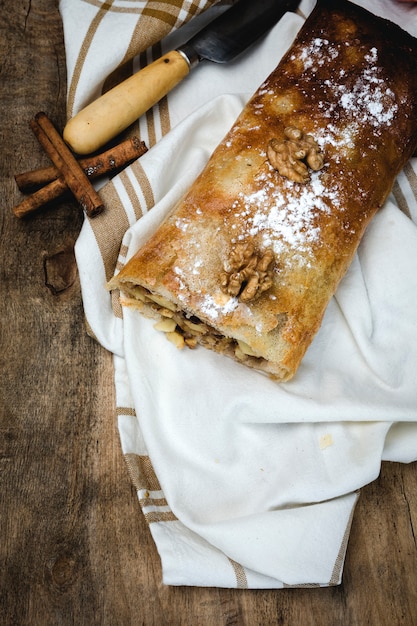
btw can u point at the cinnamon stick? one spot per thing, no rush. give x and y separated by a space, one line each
36 178
66 163
104 163
111 160
40 197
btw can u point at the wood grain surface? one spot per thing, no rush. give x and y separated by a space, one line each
74 546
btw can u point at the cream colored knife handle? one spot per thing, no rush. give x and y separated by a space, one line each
115 110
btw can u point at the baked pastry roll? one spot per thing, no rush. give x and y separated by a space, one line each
247 261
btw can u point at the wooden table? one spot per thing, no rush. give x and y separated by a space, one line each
74 546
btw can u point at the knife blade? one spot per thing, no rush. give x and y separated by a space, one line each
220 41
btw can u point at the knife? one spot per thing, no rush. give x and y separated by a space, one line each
221 41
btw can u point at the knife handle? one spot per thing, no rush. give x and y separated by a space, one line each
115 110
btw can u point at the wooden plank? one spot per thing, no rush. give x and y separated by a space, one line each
75 548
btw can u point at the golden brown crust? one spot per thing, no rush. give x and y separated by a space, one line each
350 82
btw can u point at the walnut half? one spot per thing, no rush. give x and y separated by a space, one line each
288 155
247 273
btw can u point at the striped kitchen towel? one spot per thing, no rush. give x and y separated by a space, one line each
243 482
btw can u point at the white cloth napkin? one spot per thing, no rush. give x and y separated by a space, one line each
244 482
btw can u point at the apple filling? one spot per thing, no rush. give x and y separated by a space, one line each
183 329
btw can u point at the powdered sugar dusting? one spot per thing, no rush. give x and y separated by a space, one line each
222 304
369 99
284 217
312 56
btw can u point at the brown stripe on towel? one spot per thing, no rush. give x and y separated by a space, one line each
131 193
239 570
126 410
113 9
400 199
144 184
85 46
148 501
141 472
338 566
160 516
113 220
412 178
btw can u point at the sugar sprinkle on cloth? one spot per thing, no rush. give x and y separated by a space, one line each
244 483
